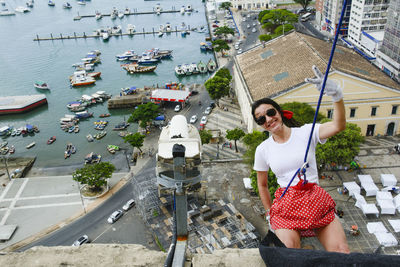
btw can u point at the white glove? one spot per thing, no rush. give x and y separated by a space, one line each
331 88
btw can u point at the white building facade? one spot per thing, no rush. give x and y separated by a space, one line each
388 56
366 26
251 4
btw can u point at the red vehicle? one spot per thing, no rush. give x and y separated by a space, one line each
51 140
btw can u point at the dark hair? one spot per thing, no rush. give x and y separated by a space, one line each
288 122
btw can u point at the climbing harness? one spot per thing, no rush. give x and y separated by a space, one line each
302 171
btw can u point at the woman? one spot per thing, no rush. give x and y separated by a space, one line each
306 209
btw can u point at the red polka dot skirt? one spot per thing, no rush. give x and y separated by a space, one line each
303 208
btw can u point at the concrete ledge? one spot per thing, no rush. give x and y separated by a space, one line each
122 255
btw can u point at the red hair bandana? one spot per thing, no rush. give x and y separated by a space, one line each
287 114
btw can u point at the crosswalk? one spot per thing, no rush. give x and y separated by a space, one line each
225 117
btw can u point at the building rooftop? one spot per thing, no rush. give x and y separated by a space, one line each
286 61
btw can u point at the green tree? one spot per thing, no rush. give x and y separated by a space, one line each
272 182
94 175
135 140
205 136
235 135
276 17
265 37
225 31
224 73
145 113
302 112
285 27
220 45
303 3
225 5
252 140
217 87
340 148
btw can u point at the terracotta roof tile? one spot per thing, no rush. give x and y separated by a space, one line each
285 62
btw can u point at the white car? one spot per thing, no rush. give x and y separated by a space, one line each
177 108
115 216
254 24
80 241
237 46
208 110
248 26
254 30
203 120
240 51
129 204
193 119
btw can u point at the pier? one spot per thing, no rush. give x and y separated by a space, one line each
84 35
79 17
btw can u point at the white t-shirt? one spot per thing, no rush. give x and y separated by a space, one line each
285 159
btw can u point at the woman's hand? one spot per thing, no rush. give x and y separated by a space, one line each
331 88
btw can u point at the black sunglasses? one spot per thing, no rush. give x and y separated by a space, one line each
270 113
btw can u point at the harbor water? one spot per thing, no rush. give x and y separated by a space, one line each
23 61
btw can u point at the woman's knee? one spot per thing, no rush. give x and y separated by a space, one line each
290 238
341 247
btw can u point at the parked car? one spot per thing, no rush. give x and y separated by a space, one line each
248 26
203 120
193 119
114 216
240 51
177 108
212 105
194 92
80 241
254 30
208 110
237 46
254 24
129 204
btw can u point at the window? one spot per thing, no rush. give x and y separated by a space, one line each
352 112
373 111
394 110
329 114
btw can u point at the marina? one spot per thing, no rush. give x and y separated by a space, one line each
51 62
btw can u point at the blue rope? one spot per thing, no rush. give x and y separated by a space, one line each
303 170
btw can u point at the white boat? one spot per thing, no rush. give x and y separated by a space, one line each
126 55
183 10
186 68
114 13
81 2
30 145
22 9
161 28
179 70
168 27
127 11
98 15
116 29
41 85
51 3
160 34
67 5
29 3
189 8
130 29
105 36
6 12
157 8
194 68
121 14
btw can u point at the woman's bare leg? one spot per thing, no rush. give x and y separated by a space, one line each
332 237
291 238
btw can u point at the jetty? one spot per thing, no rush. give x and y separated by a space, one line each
84 35
20 104
79 17
126 101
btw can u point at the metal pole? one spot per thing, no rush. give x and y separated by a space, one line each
83 204
5 163
218 140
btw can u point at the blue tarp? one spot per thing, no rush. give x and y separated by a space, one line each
29 128
160 118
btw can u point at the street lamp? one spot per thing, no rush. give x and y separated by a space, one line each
83 203
5 163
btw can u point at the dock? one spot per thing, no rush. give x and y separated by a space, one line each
20 104
126 101
79 17
85 36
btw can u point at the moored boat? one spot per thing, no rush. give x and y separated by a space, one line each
92 158
211 65
51 3
89 137
80 78
51 140
136 68
100 135
179 70
30 145
67 5
130 28
12 149
112 148
194 68
22 9
202 67
104 115
41 85
186 68
121 126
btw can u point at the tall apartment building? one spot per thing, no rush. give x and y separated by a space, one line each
367 23
328 15
388 56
